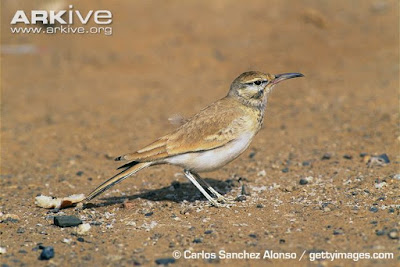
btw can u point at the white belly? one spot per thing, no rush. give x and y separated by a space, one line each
212 159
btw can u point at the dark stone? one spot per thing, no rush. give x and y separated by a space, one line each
149 214
373 209
253 235
67 221
11 220
363 154
165 261
347 156
79 173
240 198
380 232
326 156
21 230
260 206
303 181
285 170
22 251
282 241
338 232
198 240
87 258
208 232
306 163
80 239
252 154
47 253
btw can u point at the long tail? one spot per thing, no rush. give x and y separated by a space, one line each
117 179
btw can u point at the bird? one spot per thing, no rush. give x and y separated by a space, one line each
212 138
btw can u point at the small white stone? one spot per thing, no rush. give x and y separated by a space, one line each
66 240
262 173
83 229
3 250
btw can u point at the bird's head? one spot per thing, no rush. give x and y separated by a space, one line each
252 87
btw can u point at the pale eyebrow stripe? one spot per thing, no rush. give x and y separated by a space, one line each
256 79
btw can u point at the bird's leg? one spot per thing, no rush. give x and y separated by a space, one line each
192 178
220 198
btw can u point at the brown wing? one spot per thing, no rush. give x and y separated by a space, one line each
212 127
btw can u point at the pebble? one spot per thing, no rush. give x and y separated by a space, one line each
21 230
83 229
380 232
6 218
80 239
208 232
79 173
373 209
198 240
66 221
285 170
3 250
346 156
240 198
253 235
149 214
326 156
260 206
338 232
66 240
306 163
165 261
262 173
303 181
47 253
379 185
393 234
396 176
252 154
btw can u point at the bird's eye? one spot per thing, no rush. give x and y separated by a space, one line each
257 82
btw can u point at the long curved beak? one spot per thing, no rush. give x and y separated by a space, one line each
285 76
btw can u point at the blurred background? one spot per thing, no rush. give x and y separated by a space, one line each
73 102
168 57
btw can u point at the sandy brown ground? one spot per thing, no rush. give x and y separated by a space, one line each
80 100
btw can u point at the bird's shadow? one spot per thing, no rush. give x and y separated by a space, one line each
175 192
